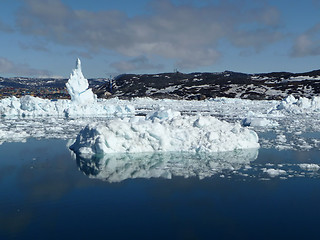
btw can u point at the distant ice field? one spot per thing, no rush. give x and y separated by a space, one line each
291 127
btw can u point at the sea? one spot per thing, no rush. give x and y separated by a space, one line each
47 192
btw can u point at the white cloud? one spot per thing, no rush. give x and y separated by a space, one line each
34 46
139 63
183 33
308 43
9 67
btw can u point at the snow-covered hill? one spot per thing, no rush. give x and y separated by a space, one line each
264 86
209 85
23 82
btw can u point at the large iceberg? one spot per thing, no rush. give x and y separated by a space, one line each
83 102
164 132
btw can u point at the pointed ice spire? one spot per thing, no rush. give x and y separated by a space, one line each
78 86
78 64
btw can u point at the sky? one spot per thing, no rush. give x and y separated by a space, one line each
43 38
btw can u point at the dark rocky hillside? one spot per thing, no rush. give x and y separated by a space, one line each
178 85
275 85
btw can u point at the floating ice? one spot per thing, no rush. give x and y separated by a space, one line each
257 121
151 134
77 87
83 102
274 172
309 167
162 114
299 105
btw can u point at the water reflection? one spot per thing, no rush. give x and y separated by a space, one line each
119 167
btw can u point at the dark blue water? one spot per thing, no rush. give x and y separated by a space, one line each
44 195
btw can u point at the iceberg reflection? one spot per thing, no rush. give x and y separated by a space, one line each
121 166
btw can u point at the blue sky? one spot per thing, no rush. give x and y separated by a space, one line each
44 37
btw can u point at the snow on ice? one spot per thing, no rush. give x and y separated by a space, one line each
164 131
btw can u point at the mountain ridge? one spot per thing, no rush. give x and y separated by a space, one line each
196 85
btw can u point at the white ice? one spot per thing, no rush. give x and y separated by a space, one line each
309 166
164 131
280 124
299 105
274 172
78 87
279 129
83 102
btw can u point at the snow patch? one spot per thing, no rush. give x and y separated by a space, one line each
303 78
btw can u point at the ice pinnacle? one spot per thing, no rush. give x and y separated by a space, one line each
78 87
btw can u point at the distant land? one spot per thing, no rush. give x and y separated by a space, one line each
177 85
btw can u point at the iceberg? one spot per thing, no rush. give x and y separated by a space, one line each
78 87
83 102
299 105
164 132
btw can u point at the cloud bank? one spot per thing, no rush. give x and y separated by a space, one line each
308 43
187 34
9 67
138 63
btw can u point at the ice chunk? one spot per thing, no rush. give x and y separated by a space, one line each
259 122
309 167
299 105
181 133
77 87
163 114
274 172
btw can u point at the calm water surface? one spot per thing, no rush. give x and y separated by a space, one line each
45 193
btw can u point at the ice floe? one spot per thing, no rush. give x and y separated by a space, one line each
309 166
276 128
164 131
299 105
258 121
274 172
